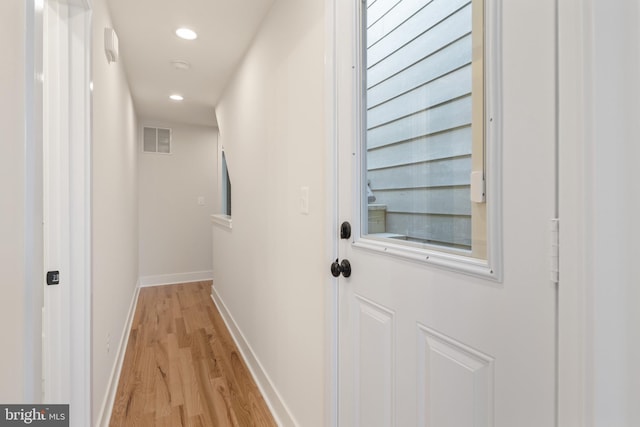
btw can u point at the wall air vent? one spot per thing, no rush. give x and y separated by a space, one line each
156 140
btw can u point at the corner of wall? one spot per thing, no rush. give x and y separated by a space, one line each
104 415
114 207
274 400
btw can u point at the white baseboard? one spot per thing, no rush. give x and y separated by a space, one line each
279 409
172 279
112 386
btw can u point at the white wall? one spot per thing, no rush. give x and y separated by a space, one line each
12 201
175 238
614 191
270 269
114 205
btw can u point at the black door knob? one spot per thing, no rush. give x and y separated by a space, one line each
343 268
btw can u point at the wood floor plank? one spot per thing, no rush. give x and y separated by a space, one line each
182 367
162 382
184 338
148 380
206 392
189 383
222 402
175 379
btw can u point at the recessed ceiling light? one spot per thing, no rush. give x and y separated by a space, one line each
186 33
176 97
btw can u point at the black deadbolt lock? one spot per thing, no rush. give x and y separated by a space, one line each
345 230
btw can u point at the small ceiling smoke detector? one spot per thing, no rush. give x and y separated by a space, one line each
181 65
176 97
186 33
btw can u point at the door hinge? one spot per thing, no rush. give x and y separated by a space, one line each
555 250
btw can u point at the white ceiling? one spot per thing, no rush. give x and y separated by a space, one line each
148 45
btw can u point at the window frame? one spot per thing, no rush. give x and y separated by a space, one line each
226 186
483 260
223 218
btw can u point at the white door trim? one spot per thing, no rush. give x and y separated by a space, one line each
70 351
598 46
331 400
56 141
573 28
81 243
33 204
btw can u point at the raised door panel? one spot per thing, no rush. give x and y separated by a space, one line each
375 365
455 382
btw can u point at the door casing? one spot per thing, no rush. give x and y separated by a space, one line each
67 46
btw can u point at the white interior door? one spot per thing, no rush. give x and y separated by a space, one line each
446 128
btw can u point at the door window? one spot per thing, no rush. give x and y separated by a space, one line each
423 124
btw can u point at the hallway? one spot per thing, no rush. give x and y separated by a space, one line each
182 367
318 107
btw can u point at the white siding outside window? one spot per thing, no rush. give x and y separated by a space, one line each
419 138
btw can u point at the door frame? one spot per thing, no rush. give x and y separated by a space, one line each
576 317
573 101
80 191
34 267
331 335
594 295
74 350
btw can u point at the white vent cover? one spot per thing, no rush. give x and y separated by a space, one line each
156 140
111 44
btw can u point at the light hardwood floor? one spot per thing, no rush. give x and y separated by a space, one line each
182 368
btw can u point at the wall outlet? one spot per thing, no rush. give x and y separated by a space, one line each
200 201
108 342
